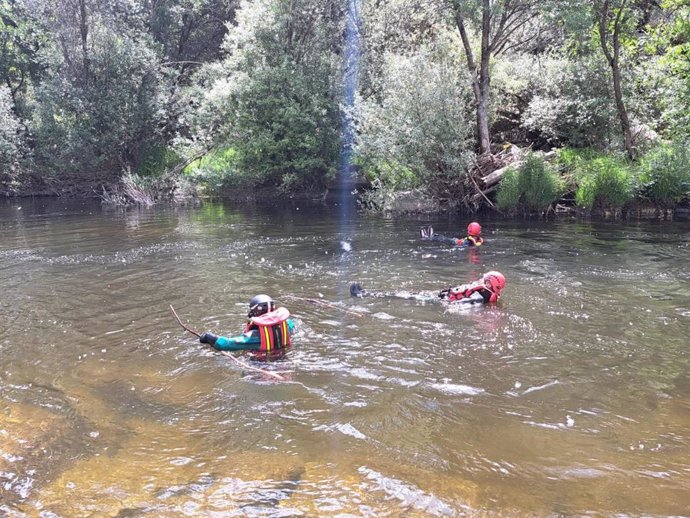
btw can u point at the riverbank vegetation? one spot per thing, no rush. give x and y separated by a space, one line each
522 107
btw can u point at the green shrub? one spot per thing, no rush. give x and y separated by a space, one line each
373 200
157 161
395 175
571 160
418 130
665 175
603 183
508 195
216 169
532 187
10 142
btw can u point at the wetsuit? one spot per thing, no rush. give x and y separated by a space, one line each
251 339
475 293
465 241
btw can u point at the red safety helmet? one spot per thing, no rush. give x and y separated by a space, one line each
496 280
474 229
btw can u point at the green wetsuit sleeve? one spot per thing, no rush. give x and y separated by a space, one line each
244 342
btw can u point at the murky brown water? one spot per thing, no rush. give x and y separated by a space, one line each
572 397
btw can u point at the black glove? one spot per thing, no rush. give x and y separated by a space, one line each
208 338
443 294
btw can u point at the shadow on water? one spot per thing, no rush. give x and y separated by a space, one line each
570 397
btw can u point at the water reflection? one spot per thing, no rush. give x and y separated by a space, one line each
570 397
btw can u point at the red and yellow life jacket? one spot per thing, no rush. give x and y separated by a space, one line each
273 329
466 290
470 241
476 241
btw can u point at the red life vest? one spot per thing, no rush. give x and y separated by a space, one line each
466 290
273 329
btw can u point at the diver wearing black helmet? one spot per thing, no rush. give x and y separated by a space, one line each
259 305
268 329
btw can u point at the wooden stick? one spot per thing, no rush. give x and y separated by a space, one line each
186 328
324 304
226 353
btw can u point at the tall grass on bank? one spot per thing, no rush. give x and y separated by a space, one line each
605 185
665 175
531 188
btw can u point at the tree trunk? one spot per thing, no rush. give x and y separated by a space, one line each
84 31
613 59
483 136
480 75
620 107
484 82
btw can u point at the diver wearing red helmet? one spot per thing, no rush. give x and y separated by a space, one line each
485 290
473 238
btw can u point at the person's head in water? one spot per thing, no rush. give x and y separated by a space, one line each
494 281
260 304
474 229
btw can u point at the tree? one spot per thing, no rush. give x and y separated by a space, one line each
673 45
9 135
612 17
419 133
22 36
98 107
501 25
274 99
620 25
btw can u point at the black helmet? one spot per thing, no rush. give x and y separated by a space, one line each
260 304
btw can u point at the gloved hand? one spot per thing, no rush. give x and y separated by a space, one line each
208 338
443 294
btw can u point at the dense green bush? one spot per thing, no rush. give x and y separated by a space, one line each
571 160
603 184
418 131
559 99
665 175
384 178
158 160
509 193
216 171
101 117
10 141
530 188
272 103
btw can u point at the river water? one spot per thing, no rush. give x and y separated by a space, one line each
570 397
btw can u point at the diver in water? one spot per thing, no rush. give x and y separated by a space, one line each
482 291
485 290
473 237
268 329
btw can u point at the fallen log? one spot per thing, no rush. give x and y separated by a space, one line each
495 177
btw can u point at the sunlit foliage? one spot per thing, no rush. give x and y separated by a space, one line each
419 129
